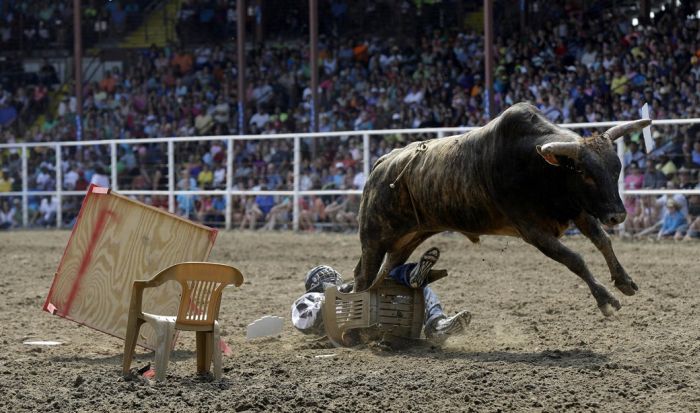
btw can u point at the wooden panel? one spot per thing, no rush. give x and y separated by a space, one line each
418 313
116 241
395 321
398 290
397 307
396 313
401 299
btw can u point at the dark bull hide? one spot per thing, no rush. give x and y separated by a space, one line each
519 175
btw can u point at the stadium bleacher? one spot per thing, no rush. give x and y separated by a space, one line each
593 65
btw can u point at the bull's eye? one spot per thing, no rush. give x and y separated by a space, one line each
588 180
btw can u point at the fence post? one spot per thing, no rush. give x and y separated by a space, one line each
297 174
59 180
229 180
113 148
25 186
365 154
621 180
171 176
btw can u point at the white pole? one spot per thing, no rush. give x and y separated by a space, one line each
229 180
25 186
171 177
297 177
621 180
59 180
365 155
113 149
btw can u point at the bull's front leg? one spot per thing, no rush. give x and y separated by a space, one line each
368 266
400 250
590 227
554 249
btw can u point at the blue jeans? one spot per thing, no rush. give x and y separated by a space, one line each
433 308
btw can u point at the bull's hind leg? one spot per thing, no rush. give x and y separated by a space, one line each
590 227
554 249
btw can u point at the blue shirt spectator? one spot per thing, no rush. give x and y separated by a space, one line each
673 221
265 202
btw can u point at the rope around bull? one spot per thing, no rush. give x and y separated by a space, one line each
422 147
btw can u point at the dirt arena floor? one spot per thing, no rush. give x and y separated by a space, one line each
537 340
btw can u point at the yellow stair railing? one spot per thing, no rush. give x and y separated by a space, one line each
158 28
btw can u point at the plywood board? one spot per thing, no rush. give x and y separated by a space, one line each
115 241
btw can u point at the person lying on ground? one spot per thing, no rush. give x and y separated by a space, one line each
437 326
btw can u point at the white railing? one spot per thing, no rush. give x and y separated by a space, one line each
296 192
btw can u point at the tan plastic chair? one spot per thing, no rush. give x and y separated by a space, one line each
202 284
388 310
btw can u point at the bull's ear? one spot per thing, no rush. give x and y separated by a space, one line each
549 157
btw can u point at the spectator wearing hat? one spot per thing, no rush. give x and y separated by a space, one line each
673 223
680 200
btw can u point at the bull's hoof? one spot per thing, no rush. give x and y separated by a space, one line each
609 307
627 287
606 309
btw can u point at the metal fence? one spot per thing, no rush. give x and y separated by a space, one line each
23 152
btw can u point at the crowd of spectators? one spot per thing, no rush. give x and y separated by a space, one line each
578 66
23 96
27 25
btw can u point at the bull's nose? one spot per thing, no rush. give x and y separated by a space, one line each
615 218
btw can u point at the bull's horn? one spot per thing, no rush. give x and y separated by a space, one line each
568 149
622 130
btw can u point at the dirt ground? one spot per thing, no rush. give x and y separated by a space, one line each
537 340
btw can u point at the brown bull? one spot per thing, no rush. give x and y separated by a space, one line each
519 175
